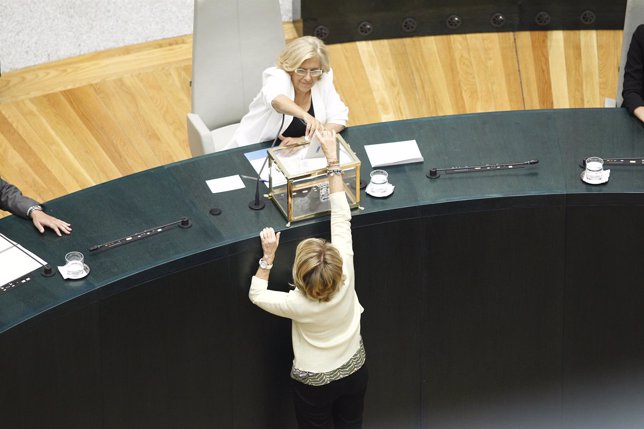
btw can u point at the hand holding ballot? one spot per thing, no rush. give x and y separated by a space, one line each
329 145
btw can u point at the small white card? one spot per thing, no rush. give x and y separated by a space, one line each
225 184
394 153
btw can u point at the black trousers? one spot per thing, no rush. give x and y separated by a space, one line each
338 404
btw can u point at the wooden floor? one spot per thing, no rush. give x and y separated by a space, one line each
72 124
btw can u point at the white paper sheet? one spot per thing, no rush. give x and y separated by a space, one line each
394 153
225 184
16 261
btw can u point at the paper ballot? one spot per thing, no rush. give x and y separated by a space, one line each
394 153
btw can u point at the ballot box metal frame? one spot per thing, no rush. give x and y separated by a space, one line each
305 194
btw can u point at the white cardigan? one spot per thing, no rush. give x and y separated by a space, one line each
261 123
325 334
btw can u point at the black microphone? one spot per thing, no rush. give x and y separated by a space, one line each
257 203
434 172
47 270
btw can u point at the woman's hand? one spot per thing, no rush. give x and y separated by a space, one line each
312 125
291 141
270 243
329 145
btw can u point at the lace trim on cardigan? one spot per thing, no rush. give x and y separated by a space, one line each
321 378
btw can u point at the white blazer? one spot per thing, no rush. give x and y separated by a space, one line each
261 123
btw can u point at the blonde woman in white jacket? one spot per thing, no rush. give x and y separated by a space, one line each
300 87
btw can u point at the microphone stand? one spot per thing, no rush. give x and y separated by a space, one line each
434 172
257 203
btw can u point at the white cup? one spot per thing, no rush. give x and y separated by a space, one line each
74 263
379 181
594 168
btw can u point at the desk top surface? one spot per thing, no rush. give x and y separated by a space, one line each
559 139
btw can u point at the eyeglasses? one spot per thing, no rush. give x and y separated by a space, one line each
312 72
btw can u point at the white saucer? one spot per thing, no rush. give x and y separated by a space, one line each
380 194
66 275
604 178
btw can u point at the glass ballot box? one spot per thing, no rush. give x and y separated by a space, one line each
298 184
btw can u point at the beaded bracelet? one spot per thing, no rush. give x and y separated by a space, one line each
333 170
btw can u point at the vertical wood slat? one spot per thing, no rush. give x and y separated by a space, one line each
68 125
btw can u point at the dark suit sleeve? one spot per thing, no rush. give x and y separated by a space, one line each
633 89
12 200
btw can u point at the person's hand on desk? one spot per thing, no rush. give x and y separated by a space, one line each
41 220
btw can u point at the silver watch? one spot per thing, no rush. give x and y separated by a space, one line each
31 209
264 265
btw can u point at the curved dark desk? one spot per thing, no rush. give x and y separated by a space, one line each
507 299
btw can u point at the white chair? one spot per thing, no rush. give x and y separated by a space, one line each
634 17
233 42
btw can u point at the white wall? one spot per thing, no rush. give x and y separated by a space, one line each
40 31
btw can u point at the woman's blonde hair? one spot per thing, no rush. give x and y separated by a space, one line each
317 270
300 50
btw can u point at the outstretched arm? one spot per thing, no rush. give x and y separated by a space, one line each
329 145
340 211
275 302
